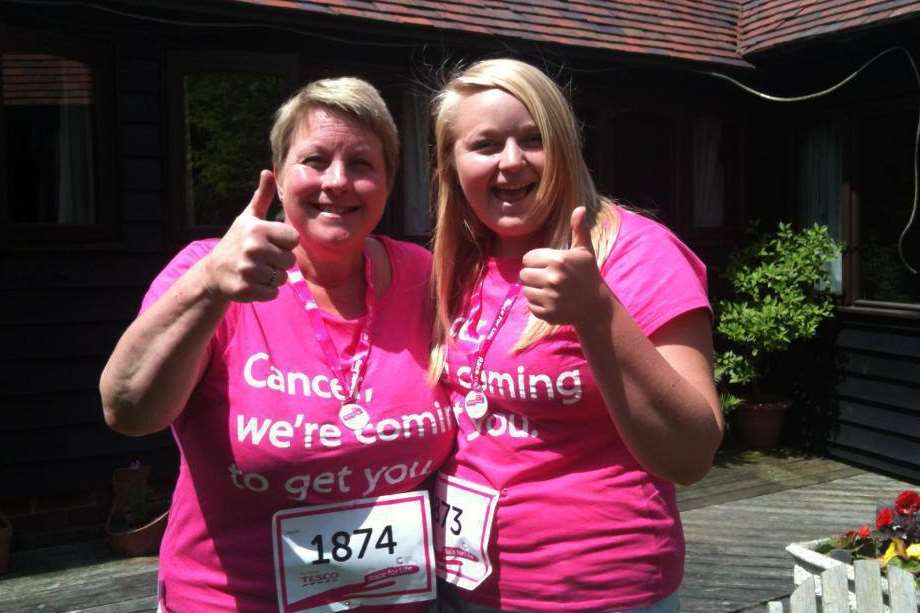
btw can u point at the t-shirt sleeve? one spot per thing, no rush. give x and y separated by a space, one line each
654 275
411 263
178 266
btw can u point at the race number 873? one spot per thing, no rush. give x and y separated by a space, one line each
441 512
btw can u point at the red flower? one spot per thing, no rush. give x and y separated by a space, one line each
863 532
908 502
884 518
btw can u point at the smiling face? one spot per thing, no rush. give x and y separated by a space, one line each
333 183
498 157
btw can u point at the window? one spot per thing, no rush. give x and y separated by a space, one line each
643 163
883 195
222 110
716 173
53 95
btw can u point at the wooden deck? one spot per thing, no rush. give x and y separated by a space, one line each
737 522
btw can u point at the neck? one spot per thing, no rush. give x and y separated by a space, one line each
514 247
335 280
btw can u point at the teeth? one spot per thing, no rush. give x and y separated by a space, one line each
335 210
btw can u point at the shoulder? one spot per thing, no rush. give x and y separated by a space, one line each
653 273
187 257
407 259
642 240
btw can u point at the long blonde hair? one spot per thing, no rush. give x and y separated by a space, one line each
461 241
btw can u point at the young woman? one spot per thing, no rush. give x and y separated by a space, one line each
271 354
574 337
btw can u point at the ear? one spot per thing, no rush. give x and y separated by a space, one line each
279 183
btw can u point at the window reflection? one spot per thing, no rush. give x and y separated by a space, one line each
48 133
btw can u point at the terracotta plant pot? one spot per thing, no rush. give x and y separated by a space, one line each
142 541
760 422
6 534
137 521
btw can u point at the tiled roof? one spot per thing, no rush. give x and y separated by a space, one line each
707 31
769 23
695 30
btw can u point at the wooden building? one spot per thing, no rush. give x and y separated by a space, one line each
127 129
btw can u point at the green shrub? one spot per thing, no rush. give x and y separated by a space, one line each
780 294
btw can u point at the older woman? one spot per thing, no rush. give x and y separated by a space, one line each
574 337
290 361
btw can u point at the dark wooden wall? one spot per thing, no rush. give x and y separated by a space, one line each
877 420
62 308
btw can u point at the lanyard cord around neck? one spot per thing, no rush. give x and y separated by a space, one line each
333 361
476 403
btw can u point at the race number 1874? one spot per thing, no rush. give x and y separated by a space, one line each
341 548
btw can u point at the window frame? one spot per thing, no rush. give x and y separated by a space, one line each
851 209
100 58
179 63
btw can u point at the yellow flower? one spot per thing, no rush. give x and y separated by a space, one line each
892 552
913 551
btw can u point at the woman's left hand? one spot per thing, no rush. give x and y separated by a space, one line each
564 286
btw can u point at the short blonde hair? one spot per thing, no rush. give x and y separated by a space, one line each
350 96
461 241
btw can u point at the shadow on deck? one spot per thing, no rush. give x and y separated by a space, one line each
737 522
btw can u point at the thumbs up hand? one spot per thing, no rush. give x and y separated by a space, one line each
561 285
250 262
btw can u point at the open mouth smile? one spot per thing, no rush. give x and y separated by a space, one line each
513 193
334 210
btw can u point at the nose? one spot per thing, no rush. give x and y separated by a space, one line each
335 177
512 156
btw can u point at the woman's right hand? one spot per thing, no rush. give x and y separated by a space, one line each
250 262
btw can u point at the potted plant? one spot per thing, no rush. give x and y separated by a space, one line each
893 541
137 521
779 294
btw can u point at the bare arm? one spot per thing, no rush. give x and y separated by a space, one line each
659 390
162 355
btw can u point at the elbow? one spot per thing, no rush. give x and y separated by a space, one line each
694 468
121 413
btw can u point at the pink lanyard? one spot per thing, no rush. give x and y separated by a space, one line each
476 403
352 412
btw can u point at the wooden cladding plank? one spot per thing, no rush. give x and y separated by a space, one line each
38 377
70 476
50 410
59 342
890 341
878 418
868 460
881 444
85 270
878 365
49 306
897 395
73 443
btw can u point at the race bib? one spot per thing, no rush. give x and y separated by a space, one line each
373 551
462 515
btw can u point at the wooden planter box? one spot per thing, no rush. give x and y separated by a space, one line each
808 563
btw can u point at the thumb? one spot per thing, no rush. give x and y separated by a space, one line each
581 231
263 196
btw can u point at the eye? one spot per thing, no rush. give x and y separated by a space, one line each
360 163
533 141
483 144
313 161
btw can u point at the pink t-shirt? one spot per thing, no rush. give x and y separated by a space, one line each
238 466
579 525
